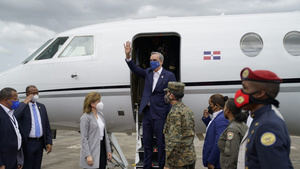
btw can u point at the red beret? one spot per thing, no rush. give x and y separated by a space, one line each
259 75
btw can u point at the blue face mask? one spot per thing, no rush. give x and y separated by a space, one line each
154 64
15 105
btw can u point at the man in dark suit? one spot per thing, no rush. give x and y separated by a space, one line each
215 127
152 104
32 117
11 156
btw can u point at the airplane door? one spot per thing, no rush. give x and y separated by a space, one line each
142 45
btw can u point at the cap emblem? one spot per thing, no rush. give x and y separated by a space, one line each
245 74
240 99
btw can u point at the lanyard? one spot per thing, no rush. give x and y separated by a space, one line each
14 121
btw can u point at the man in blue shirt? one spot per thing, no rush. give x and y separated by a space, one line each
33 119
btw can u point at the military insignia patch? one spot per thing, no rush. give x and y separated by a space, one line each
240 99
245 73
230 135
268 139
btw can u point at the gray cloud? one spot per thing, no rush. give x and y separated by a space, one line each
60 15
18 41
4 51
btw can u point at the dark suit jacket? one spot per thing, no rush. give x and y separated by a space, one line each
211 152
8 143
158 108
23 116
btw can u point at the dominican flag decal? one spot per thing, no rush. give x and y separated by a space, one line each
212 55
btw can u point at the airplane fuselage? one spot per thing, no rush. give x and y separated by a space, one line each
213 51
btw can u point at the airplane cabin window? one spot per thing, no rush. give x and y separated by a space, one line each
50 51
251 44
79 46
291 43
36 52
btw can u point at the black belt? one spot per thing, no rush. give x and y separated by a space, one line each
36 139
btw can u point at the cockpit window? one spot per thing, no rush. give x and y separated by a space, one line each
50 51
36 52
79 46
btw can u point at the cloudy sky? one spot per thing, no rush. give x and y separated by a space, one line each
26 24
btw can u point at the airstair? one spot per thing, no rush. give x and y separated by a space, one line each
139 157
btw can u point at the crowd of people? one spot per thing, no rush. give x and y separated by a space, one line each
229 143
246 131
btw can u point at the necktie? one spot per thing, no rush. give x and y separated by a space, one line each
36 121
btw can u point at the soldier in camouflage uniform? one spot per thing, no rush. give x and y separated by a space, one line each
179 130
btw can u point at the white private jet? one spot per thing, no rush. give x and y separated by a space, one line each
206 53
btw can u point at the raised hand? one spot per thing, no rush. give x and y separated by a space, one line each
127 49
205 113
28 98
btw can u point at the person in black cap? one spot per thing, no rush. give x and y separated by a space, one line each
268 141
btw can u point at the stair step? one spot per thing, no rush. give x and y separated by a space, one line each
140 150
155 164
140 165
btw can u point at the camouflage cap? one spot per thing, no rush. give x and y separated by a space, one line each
176 87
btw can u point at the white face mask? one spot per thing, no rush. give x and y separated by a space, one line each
100 106
35 98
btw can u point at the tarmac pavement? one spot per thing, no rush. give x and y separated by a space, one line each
66 151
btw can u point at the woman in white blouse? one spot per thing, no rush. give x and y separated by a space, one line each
95 145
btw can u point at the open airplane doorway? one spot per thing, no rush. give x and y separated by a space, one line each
142 45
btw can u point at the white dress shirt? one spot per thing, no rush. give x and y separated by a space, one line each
14 123
243 144
101 126
156 77
32 131
214 115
